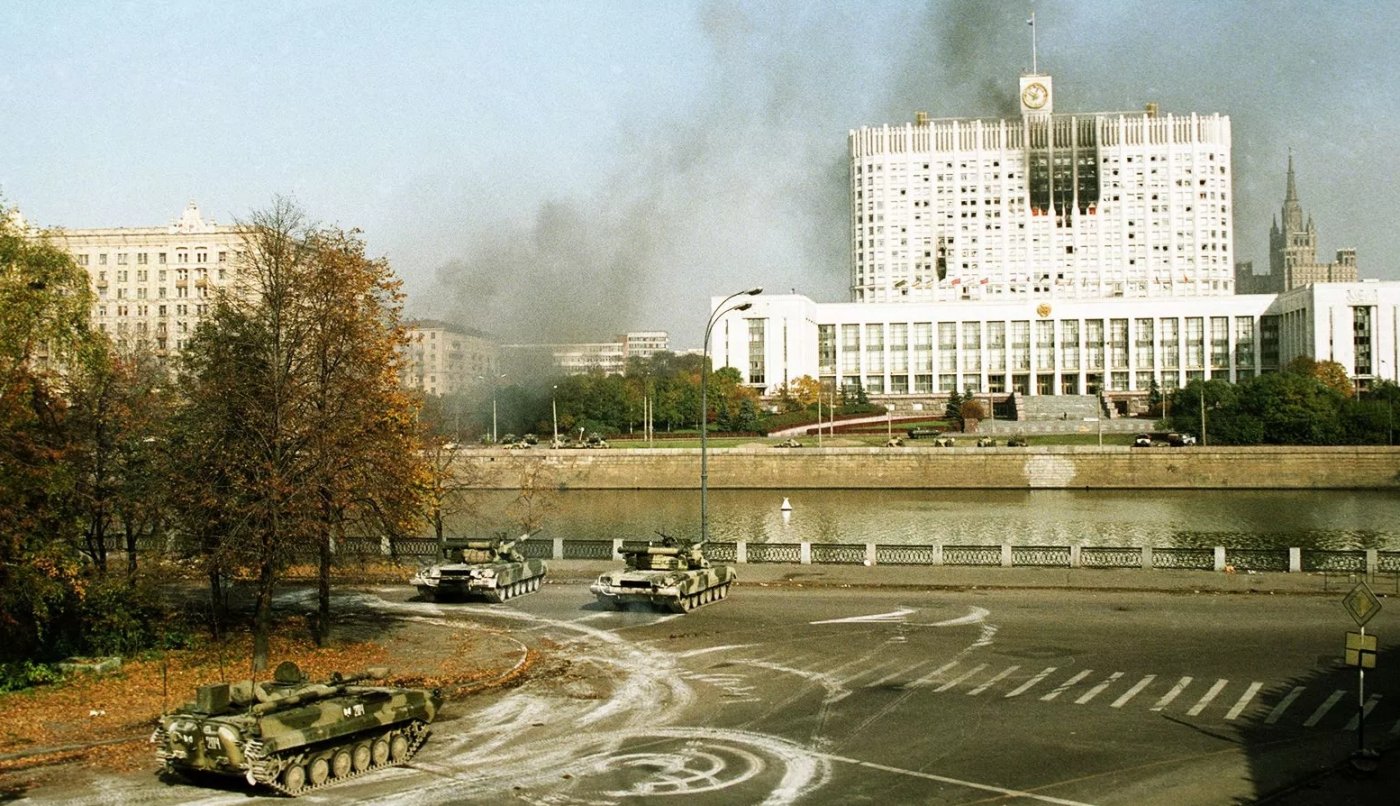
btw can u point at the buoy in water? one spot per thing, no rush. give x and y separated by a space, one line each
786 507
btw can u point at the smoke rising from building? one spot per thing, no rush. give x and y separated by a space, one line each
744 181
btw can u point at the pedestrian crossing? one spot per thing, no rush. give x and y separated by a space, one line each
1197 698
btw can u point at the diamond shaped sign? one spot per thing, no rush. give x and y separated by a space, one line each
1361 603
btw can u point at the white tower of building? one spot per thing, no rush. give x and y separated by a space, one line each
1070 206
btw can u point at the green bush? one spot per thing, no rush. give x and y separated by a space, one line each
26 674
121 617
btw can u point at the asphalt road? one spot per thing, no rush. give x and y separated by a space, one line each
869 695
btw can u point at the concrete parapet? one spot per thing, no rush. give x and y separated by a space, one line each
1037 467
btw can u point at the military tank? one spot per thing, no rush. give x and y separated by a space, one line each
293 735
492 568
671 573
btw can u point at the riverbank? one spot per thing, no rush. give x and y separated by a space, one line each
917 467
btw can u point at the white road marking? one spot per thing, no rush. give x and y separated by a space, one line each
1205 700
1365 711
1283 705
1394 729
893 615
1324 708
1010 793
974 670
977 615
1026 686
1065 686
1004 672
933 675
876 669
907 670
1133 692
706 650
1173 694
1096 690
1244 700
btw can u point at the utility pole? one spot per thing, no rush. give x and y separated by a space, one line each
1203 413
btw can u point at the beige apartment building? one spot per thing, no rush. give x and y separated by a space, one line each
153 284
443 358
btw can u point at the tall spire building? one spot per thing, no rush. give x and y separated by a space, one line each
1293 252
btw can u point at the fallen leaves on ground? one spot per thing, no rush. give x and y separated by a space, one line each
106 721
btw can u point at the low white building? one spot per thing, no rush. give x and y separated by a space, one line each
1058 347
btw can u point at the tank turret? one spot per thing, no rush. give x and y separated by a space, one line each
672 573
294 735
492 568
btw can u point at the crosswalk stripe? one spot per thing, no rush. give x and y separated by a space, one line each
1394 729
1365 711
1244 700
1283 705
892 675
1173 694
1063 687
1133 692
928 678
1004 672
1204 701
1324 708
874 670
974 670
1026 686
1094 692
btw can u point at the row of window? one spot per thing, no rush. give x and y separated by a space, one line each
182 255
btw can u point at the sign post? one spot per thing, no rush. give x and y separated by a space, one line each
1362 605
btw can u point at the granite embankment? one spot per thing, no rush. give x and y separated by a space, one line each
1037 467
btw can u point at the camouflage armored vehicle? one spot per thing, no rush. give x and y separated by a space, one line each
490 568
293 735
671 573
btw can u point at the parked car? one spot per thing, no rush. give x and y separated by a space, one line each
1142 441
1180 440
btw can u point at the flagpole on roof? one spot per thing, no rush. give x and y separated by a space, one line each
1034 64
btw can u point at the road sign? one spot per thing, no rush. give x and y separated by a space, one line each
1361 650
1361 603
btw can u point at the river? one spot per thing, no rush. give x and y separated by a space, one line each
1163 519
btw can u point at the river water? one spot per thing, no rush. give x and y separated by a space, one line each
1173 518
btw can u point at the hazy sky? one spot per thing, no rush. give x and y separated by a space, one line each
569 170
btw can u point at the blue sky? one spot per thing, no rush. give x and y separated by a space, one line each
567 170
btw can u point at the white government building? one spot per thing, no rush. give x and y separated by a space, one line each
1055 254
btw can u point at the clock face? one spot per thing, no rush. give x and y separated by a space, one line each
1035 95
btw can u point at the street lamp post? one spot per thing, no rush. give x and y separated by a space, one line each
720 310
494 379
554 409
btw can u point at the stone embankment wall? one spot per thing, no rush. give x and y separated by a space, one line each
1047 467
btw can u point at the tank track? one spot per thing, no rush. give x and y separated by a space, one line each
687 603
268 771
520 588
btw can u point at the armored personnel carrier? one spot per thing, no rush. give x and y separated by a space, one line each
491 568
293 735
669 573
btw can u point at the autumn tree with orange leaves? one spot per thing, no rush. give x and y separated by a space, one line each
296 433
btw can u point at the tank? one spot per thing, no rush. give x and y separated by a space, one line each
293 735
670 573
490 568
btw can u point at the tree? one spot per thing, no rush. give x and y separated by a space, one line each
45 302
291 384
806 390
953 411
1329 373
971 410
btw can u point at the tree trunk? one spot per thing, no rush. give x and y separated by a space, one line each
262 616
216 603
323 592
